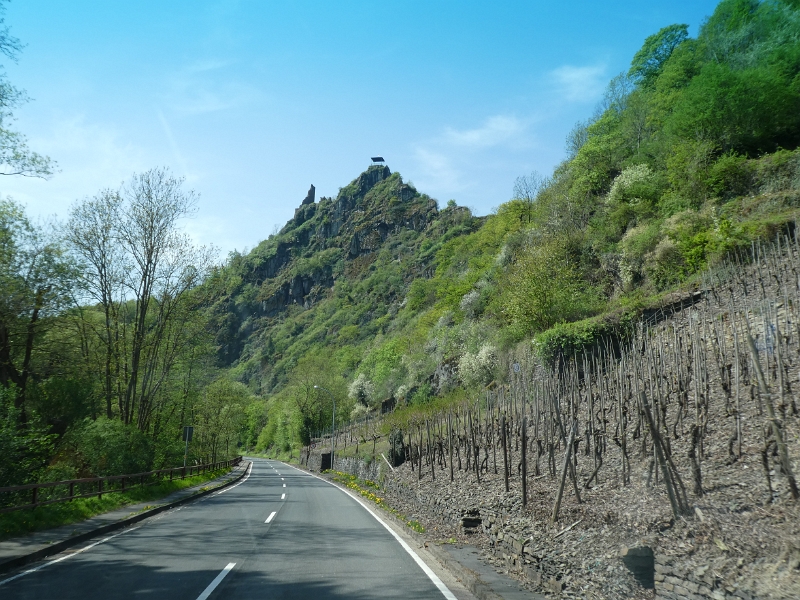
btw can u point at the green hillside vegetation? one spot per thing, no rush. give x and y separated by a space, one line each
379 295
691 155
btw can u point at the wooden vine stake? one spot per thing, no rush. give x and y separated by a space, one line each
672 481
776 428
567 456
450 440
505 451
524 461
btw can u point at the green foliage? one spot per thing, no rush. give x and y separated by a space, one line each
25 446
109 447
36 278
569 340
544 286
649 60
422 395
750 111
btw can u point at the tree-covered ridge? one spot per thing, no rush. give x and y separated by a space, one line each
336 274
691 154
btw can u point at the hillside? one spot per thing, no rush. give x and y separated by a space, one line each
378 295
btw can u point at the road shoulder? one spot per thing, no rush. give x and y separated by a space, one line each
459 567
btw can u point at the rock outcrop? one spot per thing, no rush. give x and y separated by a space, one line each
310 196
298 266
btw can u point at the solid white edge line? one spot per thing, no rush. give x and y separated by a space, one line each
52 562
271 516
246 477
217 580
427 570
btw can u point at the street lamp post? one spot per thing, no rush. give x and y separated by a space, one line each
333 423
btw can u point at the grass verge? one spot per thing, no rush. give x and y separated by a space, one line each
29 520
369 490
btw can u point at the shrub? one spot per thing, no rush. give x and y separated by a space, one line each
478 368
109 447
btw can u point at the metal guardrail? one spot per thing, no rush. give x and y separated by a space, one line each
51 492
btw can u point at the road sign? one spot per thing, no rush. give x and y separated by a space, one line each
187 434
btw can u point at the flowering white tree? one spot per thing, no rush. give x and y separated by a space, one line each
362 390
478 368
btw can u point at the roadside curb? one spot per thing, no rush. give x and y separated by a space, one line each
58 547
467 576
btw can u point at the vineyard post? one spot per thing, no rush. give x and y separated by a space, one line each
524 461
776 429
450 440
567 456
505 453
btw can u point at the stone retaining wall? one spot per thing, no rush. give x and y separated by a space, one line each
505 544
360 468
676 580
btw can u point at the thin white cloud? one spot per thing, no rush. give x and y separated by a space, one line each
204 87
579 84
447 161
202 66
191 97
495 130
436 170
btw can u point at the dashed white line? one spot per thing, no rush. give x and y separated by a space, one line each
282 479
284 485
271 516
52 562
283 496
217 580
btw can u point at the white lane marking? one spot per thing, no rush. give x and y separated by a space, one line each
246 477
217 580
431 575
283 496
271 516
282 479
52 562
284 485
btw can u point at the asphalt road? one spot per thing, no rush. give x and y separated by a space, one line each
280 533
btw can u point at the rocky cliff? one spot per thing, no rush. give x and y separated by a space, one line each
334 239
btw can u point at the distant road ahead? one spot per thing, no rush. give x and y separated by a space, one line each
281 533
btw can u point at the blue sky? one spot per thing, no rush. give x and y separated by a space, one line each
253 100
